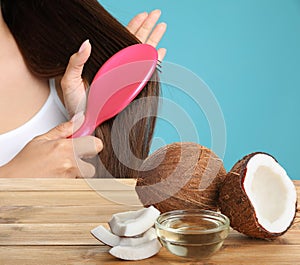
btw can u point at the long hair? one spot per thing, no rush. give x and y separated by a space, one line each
48 32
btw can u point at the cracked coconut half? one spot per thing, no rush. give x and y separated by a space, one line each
259 197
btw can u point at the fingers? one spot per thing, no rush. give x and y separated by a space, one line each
72 84
155 38
136 22
71 153
84 147
77 168
143 27
157 34
63 157
65 129
74 69
146 27
161 53
78 120
61 131
87 146
85 169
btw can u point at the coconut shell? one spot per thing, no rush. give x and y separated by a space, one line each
235 204
181 176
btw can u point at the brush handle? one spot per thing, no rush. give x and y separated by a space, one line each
84 130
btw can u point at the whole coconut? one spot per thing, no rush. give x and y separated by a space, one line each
181 176
258 197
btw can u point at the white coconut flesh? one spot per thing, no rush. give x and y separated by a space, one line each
133 223
271 192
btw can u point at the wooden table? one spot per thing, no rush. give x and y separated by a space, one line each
48 221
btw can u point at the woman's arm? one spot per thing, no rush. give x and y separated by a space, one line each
53 154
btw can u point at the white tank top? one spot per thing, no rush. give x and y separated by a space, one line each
51 114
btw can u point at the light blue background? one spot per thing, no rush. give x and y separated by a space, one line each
248 53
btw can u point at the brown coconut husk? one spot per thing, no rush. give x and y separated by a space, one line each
235 204
181 176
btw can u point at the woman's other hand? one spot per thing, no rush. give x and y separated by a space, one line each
144 27
53 155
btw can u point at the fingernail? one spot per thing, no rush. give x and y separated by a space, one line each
158 11
77 116
163 24
144 14
99 145
77 120
83 46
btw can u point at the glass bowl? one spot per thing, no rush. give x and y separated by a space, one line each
192 233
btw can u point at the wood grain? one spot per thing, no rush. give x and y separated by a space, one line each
59 214
78 255
68 198
48 221
43 184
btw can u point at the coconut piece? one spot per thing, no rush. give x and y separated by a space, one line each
258 197
133 223
180 176
134 241
139 252
105 236
110 239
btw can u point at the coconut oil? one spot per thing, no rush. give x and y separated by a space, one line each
191 233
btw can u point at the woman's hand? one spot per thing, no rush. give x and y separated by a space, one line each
52 155
142 26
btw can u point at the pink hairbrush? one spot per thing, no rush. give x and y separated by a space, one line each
117 83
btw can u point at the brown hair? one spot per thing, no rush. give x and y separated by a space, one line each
48 32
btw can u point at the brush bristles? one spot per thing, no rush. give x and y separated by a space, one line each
158 66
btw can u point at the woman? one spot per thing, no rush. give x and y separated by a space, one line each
40 69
